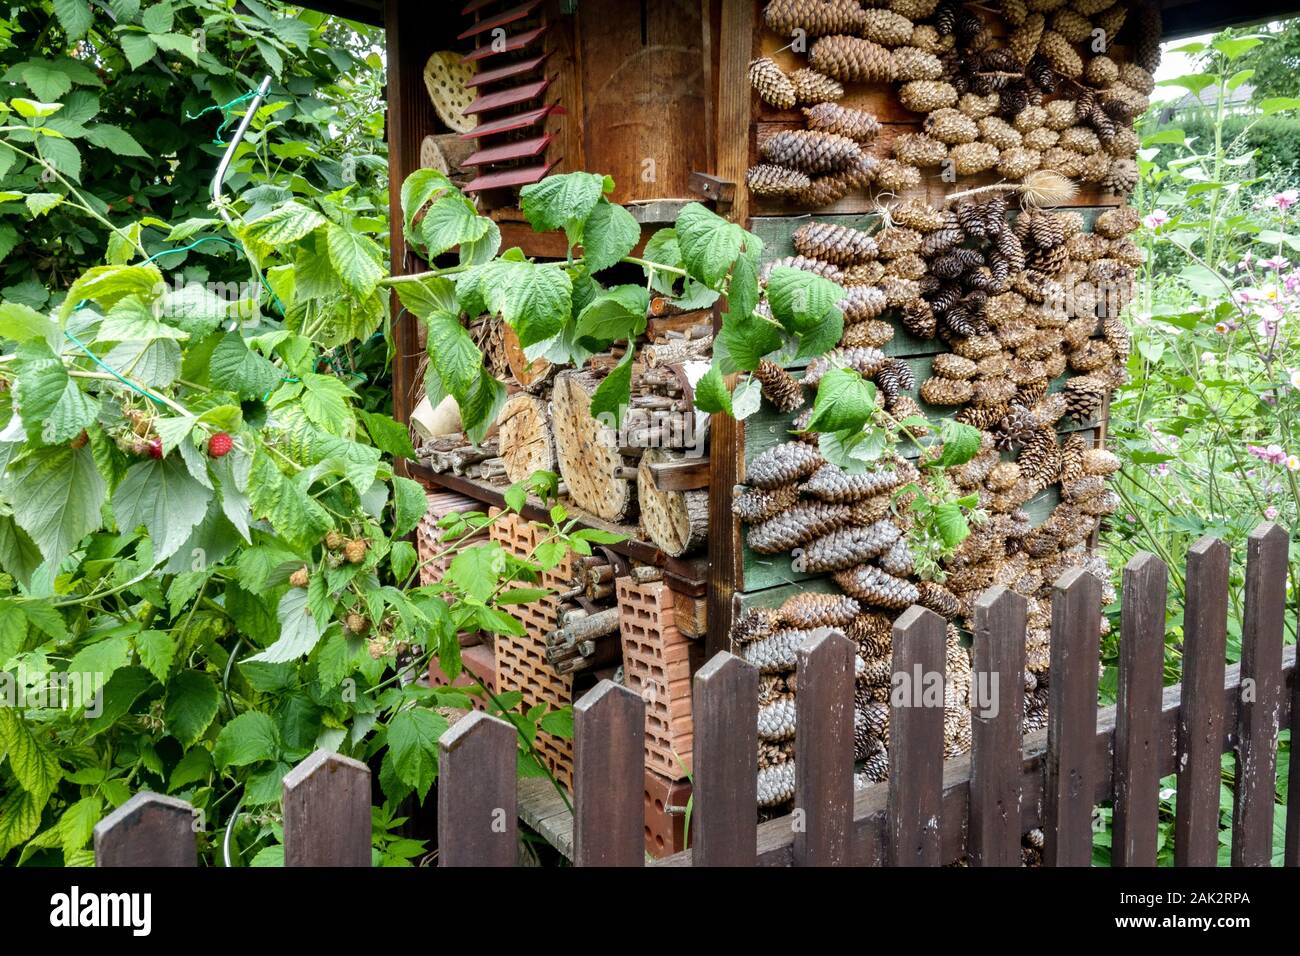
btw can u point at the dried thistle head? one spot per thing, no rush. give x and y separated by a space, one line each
1046 187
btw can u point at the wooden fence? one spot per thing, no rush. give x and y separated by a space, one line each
930 812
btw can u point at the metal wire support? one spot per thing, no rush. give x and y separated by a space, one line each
218 181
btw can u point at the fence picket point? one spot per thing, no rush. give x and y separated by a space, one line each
997 717
477 797
1137 712
1200 716
725 755
916 740
609 777
824 749
148 830
1072 720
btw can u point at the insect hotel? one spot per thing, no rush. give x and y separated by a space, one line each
961 170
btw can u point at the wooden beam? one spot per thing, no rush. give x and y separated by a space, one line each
684 475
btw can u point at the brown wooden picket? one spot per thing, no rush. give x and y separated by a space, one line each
609 751
931 811
996 725
824 743
1200 717
916 741
1072 720
1137 725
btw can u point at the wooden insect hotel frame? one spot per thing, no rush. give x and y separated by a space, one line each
840 134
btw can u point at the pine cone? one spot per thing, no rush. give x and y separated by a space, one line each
938 599
826 270
797 525
917 149
1115 334
894 378
1136 78
845 547
1111 20
1057 50
808 610
898 560
754 624
776 784
951 127
886 28
1015 428
918 318
814 17
779 387
916 215
1040 458
1099 461
811 87
926 96
753 505
858 125
861 304
1122 177
1100 72
852 59
873 586
873 333
1095 354
831 483
1023 41
946 391
782 464
776 719
1084 395
911 63
811 151
829 242
866 362
771 84
775 654
776 182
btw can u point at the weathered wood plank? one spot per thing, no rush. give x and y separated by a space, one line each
1257 718
1072 720
824 747
1201 725
726 762
997 713
477 793
1137 738
327 812
916 740
148 830
609 777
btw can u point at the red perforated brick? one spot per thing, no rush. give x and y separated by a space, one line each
658 662
428 536
520 661
665 814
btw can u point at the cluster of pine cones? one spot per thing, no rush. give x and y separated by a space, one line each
1039 98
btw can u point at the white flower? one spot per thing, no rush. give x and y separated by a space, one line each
1295 377
1292 463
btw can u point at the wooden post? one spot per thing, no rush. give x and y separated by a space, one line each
609 777
327 812
824 750
147 830
916 740
997 716
1200 714
477 812
1072 720
1260 701
1138 737
726 763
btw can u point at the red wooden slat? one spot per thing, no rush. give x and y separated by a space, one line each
501 19
521 149
507 124
510 177
509 46
474 6
512 97
505 72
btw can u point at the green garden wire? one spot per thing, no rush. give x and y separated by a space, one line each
227 116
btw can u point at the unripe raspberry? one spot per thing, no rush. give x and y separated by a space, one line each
354 623
300 578
334 541
355 550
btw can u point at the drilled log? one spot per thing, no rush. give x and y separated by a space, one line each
530 375
588 450
676 521
525 437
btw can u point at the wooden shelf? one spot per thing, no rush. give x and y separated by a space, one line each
685 575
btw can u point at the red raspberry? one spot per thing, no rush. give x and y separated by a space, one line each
155 448
219 445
